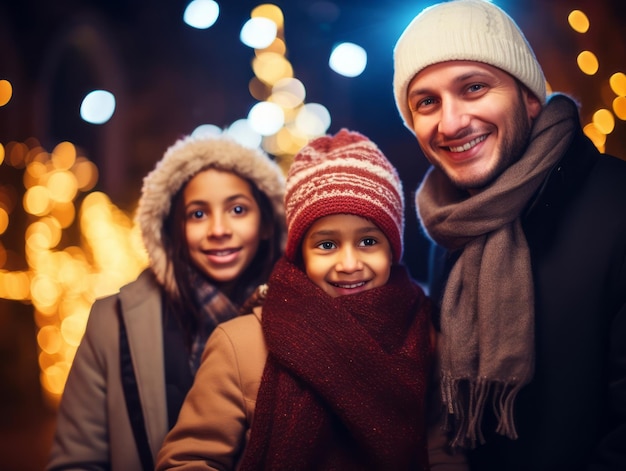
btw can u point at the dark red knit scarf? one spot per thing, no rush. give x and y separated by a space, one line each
345 380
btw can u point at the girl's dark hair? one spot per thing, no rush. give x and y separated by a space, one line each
185 308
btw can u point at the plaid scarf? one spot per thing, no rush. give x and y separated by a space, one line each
345 380
486 345
215 307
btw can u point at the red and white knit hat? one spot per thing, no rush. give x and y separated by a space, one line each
343 174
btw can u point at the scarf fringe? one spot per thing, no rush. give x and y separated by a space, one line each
465 419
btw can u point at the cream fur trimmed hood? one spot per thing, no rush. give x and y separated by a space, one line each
182 161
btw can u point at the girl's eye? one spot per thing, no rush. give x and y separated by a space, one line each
197 214
239 209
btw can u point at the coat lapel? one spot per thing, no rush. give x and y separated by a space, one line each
141 310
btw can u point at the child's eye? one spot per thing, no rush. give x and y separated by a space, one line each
368 242
326 245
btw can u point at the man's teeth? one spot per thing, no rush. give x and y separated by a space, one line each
469 145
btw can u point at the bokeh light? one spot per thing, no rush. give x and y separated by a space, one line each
617 81
97 107
63 280
588 62
266 118
348 59
604 121
258 32
578 21
6 92
201 14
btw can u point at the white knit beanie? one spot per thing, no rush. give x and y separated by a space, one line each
470 30
181 162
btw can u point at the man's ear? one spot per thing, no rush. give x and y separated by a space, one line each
533 105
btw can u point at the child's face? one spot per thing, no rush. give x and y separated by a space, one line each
222 224
346 254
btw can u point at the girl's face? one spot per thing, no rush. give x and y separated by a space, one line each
222 224
346 254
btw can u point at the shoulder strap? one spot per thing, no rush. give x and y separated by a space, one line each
133 402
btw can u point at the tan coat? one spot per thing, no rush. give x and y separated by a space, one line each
214 423
93 429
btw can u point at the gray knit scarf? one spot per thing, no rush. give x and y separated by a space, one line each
486 346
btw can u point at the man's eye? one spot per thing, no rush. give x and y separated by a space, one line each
475 87
423 103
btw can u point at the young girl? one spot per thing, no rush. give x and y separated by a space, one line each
333 375
211 216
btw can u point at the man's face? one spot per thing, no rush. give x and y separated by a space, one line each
471 120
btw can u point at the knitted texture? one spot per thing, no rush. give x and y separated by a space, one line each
181 162
343 174
344 386
470 30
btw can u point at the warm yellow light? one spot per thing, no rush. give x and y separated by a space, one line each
62 186
619 107
36 200
588 62
53 378
34 172
73 328
6 92
4 220
86 174
1 154
258 90
49 339
604 121
271 12
578 21
45 291
65 213
14 285
598 138
64 155
278 46
618 83
270 67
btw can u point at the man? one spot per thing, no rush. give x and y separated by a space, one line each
529 221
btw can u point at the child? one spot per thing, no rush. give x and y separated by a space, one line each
333 375
211 216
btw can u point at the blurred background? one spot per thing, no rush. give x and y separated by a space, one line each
92 92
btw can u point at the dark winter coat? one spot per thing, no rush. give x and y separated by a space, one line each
572 416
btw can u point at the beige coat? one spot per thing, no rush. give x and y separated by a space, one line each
93 429
214 423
